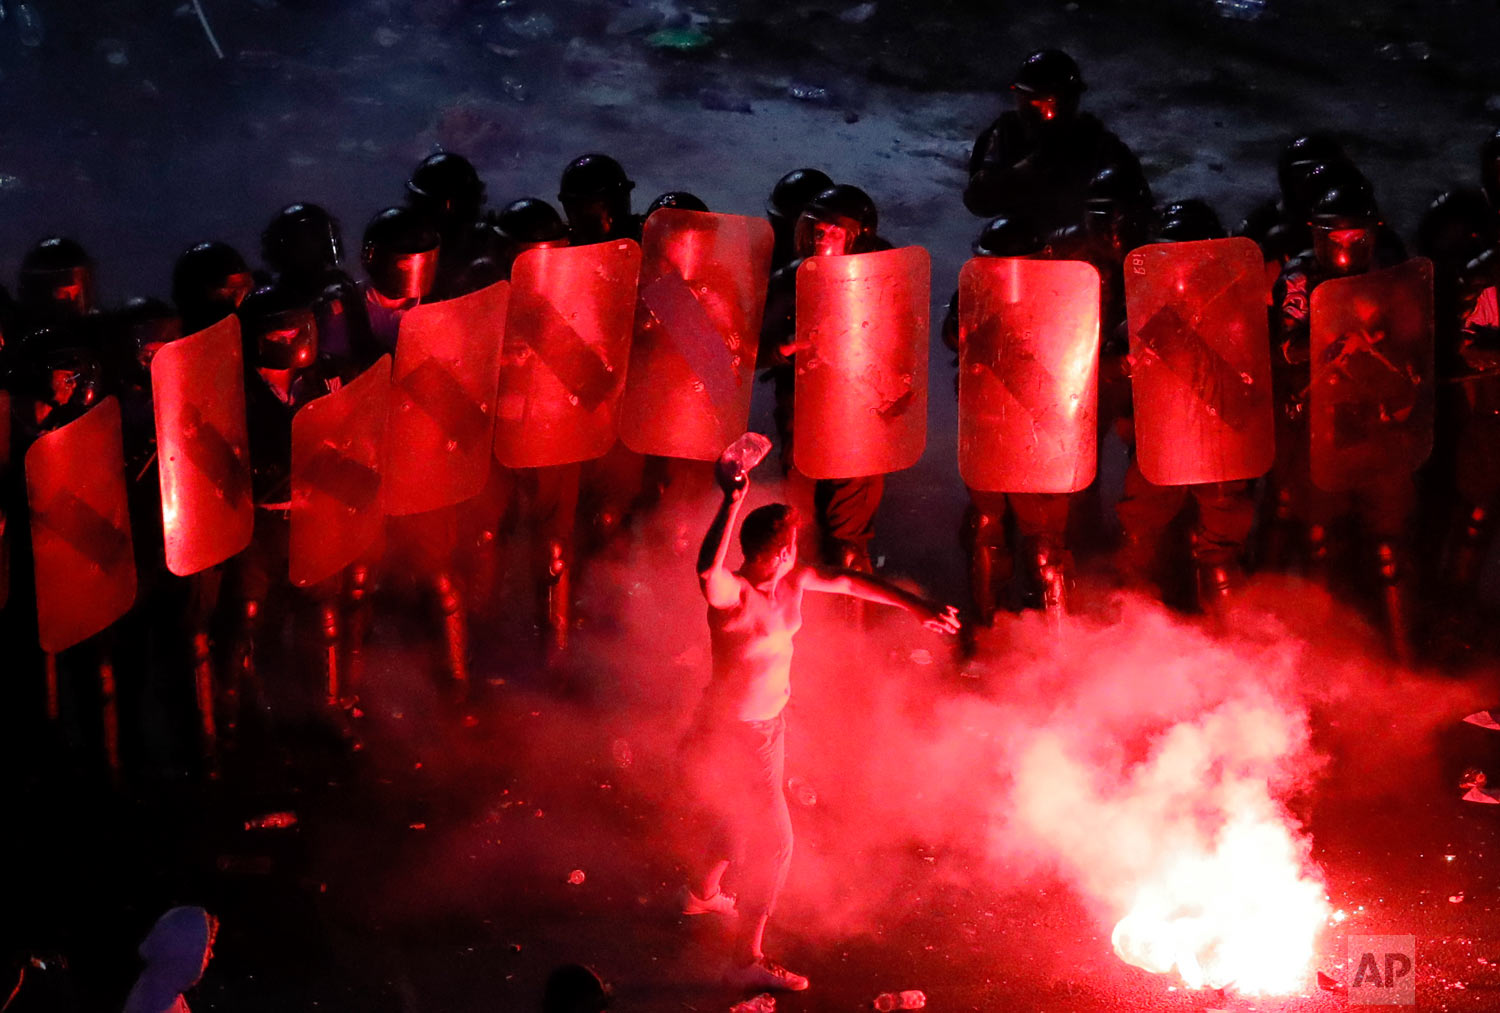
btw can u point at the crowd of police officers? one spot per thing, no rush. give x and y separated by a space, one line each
203 491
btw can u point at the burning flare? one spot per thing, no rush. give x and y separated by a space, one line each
1227 899
1178 823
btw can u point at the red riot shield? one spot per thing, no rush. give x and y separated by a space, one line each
198 390
861 387
1372 399
1200 361
1028 374
567 344
338 447
443 401
80 528
697 327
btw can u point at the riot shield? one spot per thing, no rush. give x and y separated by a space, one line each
1370 406
567 344
80 528
203 458
442 415
338 448
1200 361
860 399
1028 374
697 327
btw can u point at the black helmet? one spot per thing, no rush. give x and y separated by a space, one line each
279 330
591 176
400 253
1117 187
1346 207
1458 226
447 186
1185 221
57 280
1303 152
794 190
844 214
302 238
1327 176
1007 237
147 324
1049 72
679 199
209 281
844 201
531 221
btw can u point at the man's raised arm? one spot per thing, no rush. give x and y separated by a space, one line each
717 583
934 616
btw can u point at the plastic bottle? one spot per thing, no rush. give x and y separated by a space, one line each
741 456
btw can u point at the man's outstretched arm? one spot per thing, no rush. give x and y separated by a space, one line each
942 618
719 586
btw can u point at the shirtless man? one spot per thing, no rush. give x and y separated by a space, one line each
738 737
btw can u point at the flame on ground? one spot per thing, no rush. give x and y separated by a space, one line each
1174 822
1244 914
1230 898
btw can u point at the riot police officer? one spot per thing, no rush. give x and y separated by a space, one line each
839 221
447 189
209 281
595 195
545 498
1346 228
788 197
1041 519
1035 162
303 247
1279 224
401 252
1225 510
284 372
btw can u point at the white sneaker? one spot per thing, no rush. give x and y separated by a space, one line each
1484 719
689 903
764 974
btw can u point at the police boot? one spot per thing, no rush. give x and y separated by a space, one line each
356 629
1393 581
557 603
989 571
203 686
1053 566
1467 557
329 626
1216 583
455 633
